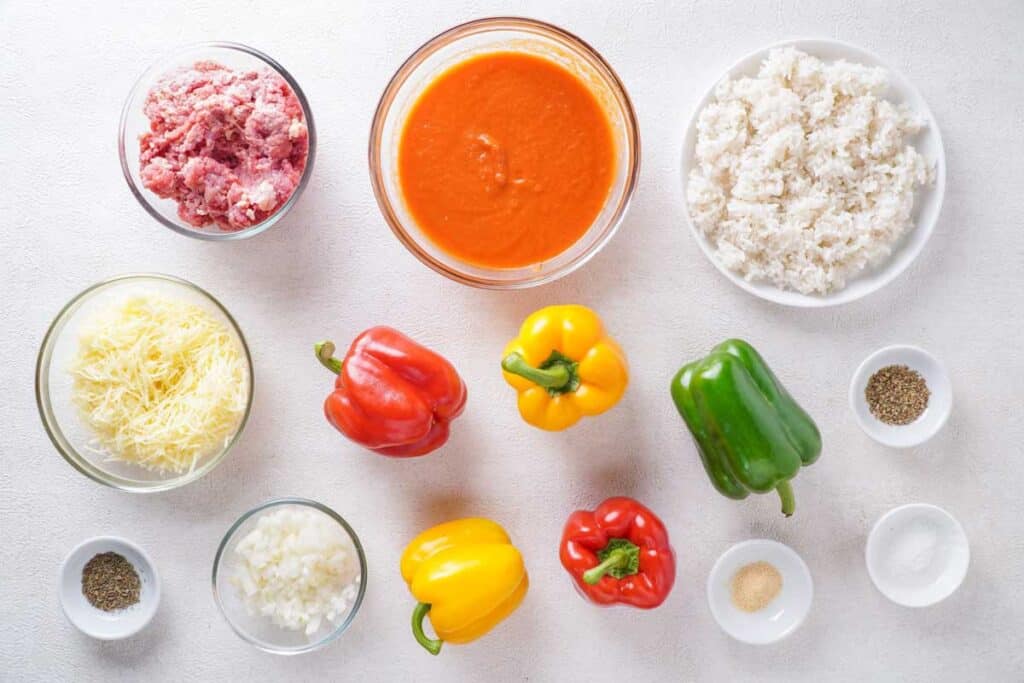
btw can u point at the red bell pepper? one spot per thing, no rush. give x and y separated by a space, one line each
392 395
619 553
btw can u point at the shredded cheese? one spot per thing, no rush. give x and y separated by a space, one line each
162 383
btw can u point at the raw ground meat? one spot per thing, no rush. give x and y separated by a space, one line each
228 146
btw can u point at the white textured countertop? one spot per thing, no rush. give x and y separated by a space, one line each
332 268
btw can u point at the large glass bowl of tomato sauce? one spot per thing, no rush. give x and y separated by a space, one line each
533 187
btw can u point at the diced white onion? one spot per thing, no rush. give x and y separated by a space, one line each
297 567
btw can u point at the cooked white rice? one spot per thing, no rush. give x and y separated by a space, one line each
803 175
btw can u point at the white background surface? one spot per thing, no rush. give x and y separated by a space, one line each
332 268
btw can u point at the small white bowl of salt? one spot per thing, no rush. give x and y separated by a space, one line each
917 555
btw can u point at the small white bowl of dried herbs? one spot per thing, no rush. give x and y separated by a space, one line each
109 588
901 396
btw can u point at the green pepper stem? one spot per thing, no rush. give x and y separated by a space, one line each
788 501
555 377
615 562
325 354
429 644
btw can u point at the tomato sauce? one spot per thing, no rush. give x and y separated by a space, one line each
506 159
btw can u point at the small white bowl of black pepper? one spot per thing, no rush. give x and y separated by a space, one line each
109 588
901 396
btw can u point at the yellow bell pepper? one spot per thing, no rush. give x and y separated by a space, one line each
564 367
467 576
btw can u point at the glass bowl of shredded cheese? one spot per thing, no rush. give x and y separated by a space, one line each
144 382
289 576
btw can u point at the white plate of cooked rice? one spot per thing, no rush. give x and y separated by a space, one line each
813 181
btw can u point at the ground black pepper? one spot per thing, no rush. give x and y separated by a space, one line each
897 395
110 582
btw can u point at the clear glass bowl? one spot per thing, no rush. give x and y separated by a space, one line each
501 34
261 631
134 123
63 424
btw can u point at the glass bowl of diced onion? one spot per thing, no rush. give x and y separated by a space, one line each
289 576
108 362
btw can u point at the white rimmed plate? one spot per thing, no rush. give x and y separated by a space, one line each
927 202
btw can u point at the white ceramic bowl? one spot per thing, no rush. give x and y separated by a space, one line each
95 622
927 203
783 615
940 400
917 555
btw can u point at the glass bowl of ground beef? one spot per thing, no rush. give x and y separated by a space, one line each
217 141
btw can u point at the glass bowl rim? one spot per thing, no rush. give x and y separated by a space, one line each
460 31
360 553
56 434
200 233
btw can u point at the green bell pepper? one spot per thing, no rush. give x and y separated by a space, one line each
751 434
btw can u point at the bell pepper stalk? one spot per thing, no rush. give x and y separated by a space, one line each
750 433
619 553
431 645
392 395
325 354
466 576
619 558
558 374
564 367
